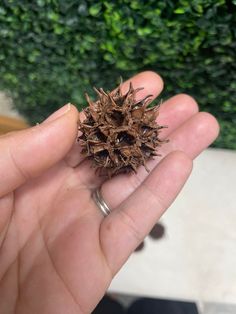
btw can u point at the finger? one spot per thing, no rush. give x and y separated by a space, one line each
74 156
173 113
123 230
192 137
26 154
151 83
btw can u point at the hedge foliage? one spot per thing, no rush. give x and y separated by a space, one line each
51 51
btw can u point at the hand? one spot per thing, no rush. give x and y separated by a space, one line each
58 254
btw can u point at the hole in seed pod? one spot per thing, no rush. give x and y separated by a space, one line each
146 131
125 138
98 136
103 153
115 118
101 136
119 101
101 158
146 150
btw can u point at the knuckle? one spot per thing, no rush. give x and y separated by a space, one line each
129 222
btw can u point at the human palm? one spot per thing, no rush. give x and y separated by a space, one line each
58 254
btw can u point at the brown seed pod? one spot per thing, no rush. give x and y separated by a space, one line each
119 133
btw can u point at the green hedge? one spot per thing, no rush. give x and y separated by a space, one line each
51 51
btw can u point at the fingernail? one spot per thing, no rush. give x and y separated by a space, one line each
60 112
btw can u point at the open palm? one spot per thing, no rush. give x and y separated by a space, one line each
58 254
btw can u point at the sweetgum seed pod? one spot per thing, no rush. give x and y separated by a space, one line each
119 133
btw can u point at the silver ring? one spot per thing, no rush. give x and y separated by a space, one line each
101 204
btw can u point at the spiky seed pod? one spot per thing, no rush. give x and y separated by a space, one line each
119 133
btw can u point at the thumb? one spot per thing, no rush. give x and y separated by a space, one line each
25 154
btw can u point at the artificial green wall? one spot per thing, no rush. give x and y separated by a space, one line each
51 51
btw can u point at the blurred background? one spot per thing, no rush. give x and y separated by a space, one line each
52 51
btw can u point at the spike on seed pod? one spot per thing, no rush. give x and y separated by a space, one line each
119 133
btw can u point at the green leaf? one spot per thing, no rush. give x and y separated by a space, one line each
95 9
144 31
53 16
179 11
52 51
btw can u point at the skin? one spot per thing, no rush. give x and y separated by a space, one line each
58 254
